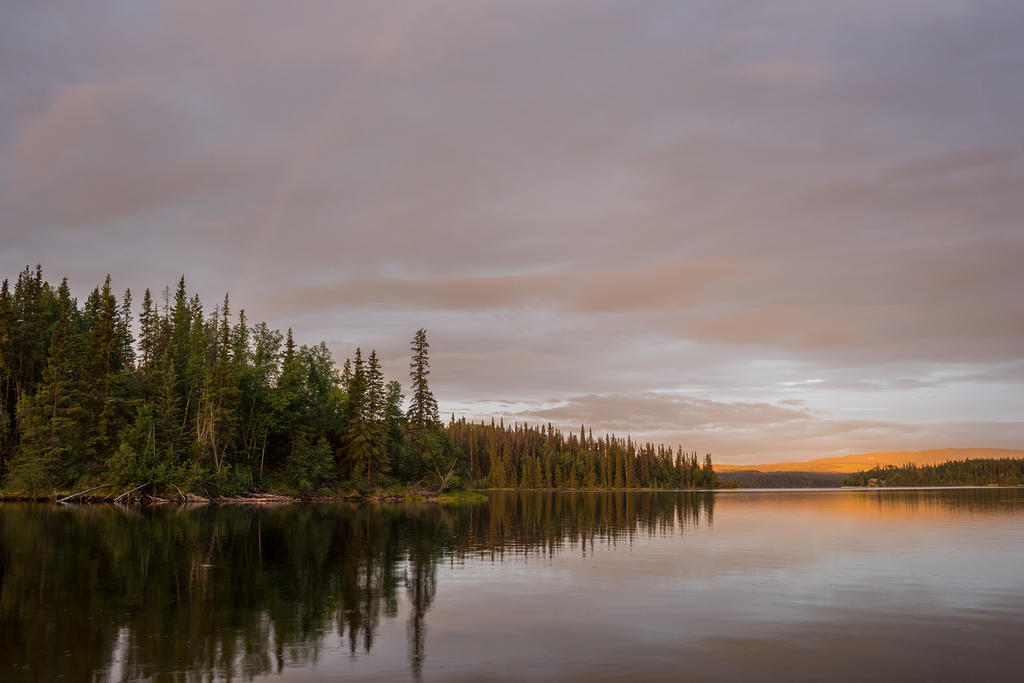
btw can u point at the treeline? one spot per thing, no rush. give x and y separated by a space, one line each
198 401
972 472
524 456
178 397
755 479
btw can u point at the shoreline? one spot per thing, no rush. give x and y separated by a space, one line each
474 495
272 498
255 499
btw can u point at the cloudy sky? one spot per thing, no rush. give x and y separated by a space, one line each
769 230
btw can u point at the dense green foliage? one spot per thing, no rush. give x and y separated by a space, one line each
978 472
197 401
184 399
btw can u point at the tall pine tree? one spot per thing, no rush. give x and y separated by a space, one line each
422 415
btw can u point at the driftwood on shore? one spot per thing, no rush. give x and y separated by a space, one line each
257 498
82 493
127 494
444 479
416 493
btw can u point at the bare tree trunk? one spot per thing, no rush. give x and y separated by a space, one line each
129 493
82 493
445 478
263 453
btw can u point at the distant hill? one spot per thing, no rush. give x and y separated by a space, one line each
862 461
752 479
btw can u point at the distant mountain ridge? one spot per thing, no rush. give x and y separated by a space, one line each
847 464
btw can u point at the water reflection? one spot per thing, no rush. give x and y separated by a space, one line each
238 590
107 593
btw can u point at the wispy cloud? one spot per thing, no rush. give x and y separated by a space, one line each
595 208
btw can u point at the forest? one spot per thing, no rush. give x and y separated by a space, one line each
178 398
975 472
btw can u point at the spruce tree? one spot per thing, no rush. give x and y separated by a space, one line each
147 331
363 439
422 415
375 404
49 435
180 328
28 331
394 422
97 403
7 405
125 338
374 390
710 478
287 424
218 414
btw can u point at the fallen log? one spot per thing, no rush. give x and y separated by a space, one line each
129 493
82 493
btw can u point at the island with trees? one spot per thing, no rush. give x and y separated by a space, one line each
177 401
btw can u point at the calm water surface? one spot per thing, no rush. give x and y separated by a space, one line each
800 585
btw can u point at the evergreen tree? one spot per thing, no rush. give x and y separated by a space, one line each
218 411
258 393
28 327
286 423
422 415
125 338
710 478
374 390
7 406
375 406
98 400
394 423
49 433
148 329
365 437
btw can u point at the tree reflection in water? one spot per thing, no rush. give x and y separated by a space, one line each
114 593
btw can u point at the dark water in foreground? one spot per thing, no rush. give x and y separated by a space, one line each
808 585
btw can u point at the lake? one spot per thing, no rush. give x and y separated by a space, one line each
923 584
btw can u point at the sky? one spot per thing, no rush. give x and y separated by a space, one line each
766 230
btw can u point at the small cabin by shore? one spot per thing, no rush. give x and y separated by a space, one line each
875 481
